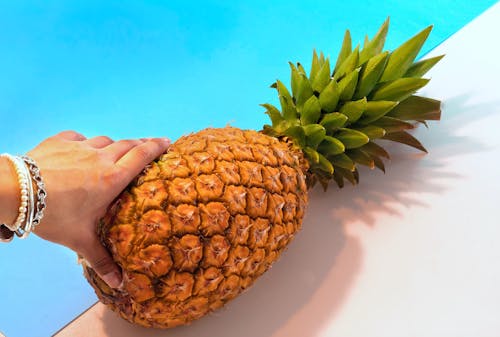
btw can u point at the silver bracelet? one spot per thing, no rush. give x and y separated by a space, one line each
23 231
41 193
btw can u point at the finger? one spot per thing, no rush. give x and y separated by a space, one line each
70 135
134 161
99 142
120 148
100 260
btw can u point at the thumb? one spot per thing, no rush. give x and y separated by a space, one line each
100 260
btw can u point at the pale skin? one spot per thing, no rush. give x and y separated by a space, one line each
82 177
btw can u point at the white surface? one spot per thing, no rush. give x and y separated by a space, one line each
413 252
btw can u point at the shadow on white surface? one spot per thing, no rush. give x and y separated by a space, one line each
308 287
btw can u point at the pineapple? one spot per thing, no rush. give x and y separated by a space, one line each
211 215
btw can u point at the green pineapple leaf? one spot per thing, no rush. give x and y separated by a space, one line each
402 57
398 90
338 178
375 46
304 91
301 69
311 111
315 134
282 90
351 138
350 63
294 79
366 41
405 138
372 131
354 109
322 78
312 154
331 146
375 110
345 50
360 157
283 126
329 97
315 66
321 58
370 74
298 135
375 150
273 113
288 109
350 175
324 164
347 85
420 68
417 108
342 161
378 162
333 121
391 124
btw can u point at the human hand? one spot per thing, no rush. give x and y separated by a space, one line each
82 177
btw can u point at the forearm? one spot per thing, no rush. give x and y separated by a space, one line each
9 192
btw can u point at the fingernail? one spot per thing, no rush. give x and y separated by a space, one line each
166 141
112 279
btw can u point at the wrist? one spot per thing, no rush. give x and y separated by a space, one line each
9 192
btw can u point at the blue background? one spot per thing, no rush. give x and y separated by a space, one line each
157 68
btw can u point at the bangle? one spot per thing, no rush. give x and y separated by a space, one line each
24 230
41 192
30 213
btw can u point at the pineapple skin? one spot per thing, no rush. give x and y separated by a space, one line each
201 224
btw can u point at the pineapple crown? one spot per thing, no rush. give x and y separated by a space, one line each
336 117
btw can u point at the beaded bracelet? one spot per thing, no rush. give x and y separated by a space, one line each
22 178
29 215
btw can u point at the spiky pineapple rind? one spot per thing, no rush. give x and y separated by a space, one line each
201 224
335 116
